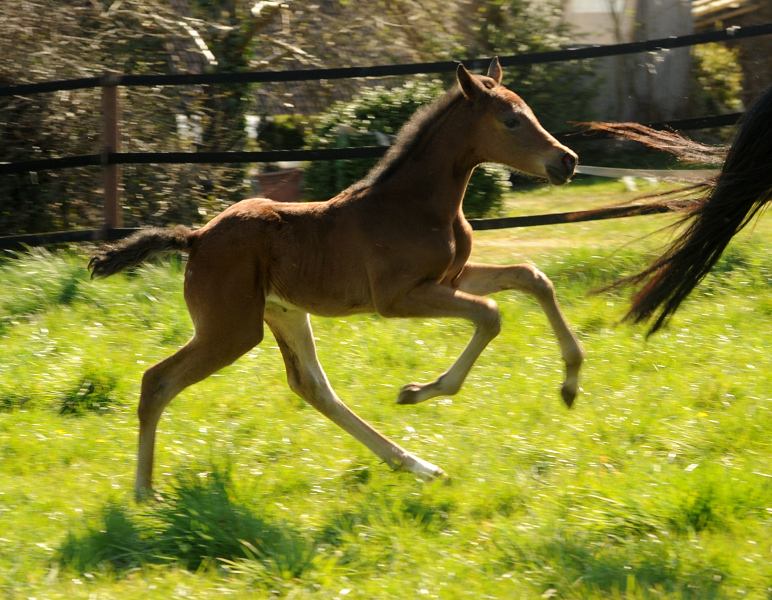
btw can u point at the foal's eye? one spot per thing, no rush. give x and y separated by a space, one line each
511 123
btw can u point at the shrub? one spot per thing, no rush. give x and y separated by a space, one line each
93 392
716 78
283 132
11 400
384 111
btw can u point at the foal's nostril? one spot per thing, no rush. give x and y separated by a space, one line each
569 161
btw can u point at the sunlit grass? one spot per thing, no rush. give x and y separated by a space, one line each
656 485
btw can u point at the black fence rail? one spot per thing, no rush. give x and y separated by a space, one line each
171 158
20 242
111 158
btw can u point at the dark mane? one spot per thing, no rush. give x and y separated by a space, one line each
411 138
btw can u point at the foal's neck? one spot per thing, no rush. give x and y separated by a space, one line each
434 178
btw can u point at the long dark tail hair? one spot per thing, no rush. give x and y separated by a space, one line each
722 207
138 248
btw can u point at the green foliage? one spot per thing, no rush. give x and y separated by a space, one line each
45 280
385 111
201 519
11 399
283 132
716 78
581 563
114 543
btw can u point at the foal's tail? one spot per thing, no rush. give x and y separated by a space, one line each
138 248
723 206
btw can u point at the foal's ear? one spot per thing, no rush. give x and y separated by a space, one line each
494 71
470 85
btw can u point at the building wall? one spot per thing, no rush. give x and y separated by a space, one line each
601 22
644 87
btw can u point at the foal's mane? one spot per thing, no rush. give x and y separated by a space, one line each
412 138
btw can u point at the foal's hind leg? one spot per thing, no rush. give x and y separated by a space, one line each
227 313
195 361
307 379
486 279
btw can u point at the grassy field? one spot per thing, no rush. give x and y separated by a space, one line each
657 484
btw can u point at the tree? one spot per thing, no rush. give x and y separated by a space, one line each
59 39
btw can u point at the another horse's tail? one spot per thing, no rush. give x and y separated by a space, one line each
138 248
728 203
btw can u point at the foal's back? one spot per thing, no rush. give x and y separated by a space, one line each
328 258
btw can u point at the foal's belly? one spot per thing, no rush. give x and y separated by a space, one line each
323 306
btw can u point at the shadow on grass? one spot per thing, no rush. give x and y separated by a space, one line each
198 523
578 565
674 548
116 544
11 400
201 523
610 548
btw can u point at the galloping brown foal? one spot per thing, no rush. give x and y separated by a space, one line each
396 244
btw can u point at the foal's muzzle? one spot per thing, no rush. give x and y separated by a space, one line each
560 171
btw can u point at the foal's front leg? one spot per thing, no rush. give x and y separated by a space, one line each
486 279
434 300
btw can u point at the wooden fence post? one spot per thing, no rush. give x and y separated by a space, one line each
111 142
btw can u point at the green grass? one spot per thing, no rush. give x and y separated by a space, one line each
656 484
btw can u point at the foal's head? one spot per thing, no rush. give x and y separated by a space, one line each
507 131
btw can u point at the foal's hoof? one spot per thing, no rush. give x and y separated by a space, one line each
432 473
418 467
410 394
438 476
569 394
